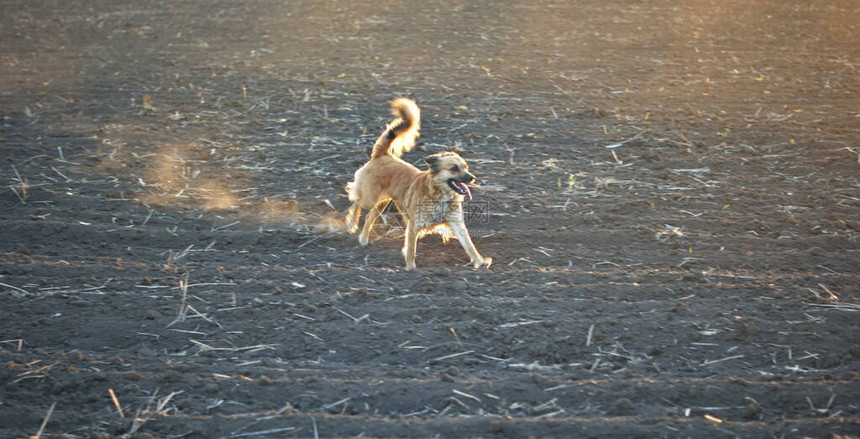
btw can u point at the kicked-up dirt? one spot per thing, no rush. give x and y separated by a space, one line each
669 190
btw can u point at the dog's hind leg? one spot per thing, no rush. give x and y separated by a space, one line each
410 244
352 218
372 214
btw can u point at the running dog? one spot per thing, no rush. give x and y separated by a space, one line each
430 201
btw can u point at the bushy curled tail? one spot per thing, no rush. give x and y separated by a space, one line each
400 134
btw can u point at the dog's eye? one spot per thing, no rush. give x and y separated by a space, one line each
455 168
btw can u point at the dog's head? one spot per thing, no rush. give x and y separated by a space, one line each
449 171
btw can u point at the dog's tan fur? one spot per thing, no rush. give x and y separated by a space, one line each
426 199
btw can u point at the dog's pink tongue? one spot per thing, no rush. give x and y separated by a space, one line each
468 192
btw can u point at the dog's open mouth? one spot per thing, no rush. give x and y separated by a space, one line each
460 188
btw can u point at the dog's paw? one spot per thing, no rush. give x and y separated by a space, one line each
483 262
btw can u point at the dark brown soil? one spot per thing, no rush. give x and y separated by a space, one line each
669 189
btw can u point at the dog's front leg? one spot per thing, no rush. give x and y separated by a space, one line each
410 244
462 234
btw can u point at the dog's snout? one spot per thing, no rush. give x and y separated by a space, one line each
468 178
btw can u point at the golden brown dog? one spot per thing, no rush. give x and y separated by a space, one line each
430 201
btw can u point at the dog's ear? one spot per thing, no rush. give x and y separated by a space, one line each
433 161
